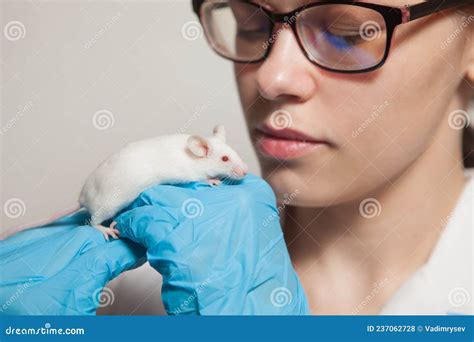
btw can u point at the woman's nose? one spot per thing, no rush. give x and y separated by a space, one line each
286 72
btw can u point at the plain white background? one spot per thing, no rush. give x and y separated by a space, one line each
82 78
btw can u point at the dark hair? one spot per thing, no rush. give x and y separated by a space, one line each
468 135
468 146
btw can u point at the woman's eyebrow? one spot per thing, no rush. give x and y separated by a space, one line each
282 6
276 4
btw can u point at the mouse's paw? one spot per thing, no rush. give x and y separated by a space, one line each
214 182
115 230
106 231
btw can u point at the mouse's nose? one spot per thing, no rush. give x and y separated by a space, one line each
245 170
240 171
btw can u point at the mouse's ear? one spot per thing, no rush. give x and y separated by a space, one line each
219 132
198 146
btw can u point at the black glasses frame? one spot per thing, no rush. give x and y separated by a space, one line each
393 17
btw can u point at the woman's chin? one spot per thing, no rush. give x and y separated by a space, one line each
323 189
291 189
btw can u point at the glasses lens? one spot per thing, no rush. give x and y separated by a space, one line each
236 30
343 37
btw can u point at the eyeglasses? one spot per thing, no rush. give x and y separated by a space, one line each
339 36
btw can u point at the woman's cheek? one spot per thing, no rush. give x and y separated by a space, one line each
245 76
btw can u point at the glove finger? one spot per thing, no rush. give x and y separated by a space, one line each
39 258
182 196
104 262
167 195
77 288
147 225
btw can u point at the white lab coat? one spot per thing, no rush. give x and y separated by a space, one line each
444 285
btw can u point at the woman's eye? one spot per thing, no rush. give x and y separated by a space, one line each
344 33
246 31
342 39
225 158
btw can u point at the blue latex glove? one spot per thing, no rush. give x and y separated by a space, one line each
61 269
220 249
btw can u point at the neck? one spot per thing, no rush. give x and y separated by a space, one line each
411 211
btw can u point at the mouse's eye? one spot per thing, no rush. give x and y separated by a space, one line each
225 158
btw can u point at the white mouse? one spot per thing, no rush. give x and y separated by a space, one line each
170 159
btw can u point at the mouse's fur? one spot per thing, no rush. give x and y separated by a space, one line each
167 159
177 158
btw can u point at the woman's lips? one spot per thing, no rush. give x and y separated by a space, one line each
285 143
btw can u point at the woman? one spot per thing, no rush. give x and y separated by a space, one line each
375 157
363 148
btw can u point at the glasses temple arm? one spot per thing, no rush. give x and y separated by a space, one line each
430 7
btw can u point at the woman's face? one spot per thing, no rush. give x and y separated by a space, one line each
373 126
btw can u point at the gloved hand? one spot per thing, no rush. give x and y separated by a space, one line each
219 249
61 269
